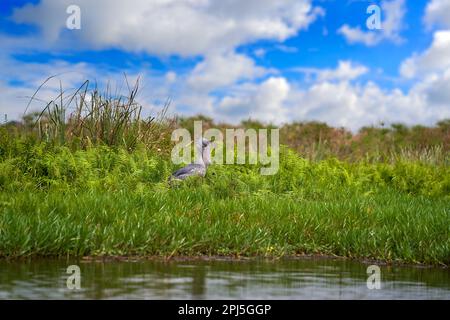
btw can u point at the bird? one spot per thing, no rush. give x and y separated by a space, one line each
200 165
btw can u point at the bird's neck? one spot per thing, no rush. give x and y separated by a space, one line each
199 156
206 156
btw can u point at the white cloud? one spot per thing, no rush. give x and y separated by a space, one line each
436 89
346 71
342 103
171 77
356 35
213 30
352 106
260 52
164 27
333 98
437 13
263 101
338 103
220 70
393 12
434 59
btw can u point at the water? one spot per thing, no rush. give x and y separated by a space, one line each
308 278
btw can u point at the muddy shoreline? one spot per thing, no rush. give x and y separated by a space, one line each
229 258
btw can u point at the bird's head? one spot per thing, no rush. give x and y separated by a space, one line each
203 143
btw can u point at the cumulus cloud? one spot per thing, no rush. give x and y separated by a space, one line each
220 70
164 27
333 99
224 84
393 12
210 29
436 90
437 13
352 106
171 77
356 35
434 59
346 71
264 102
339 103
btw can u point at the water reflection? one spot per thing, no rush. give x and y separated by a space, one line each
250 279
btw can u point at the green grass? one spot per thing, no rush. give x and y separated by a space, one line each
107 201
94 182
181 222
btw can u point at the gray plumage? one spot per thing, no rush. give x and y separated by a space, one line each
199 167
192 169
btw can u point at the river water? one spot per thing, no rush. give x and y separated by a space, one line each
305 278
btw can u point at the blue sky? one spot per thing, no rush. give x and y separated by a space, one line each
276 61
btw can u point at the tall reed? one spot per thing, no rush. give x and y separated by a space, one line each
103 119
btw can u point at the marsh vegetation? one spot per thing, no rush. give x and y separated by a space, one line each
94 182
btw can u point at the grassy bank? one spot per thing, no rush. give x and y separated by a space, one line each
107 201
94 182
382 226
